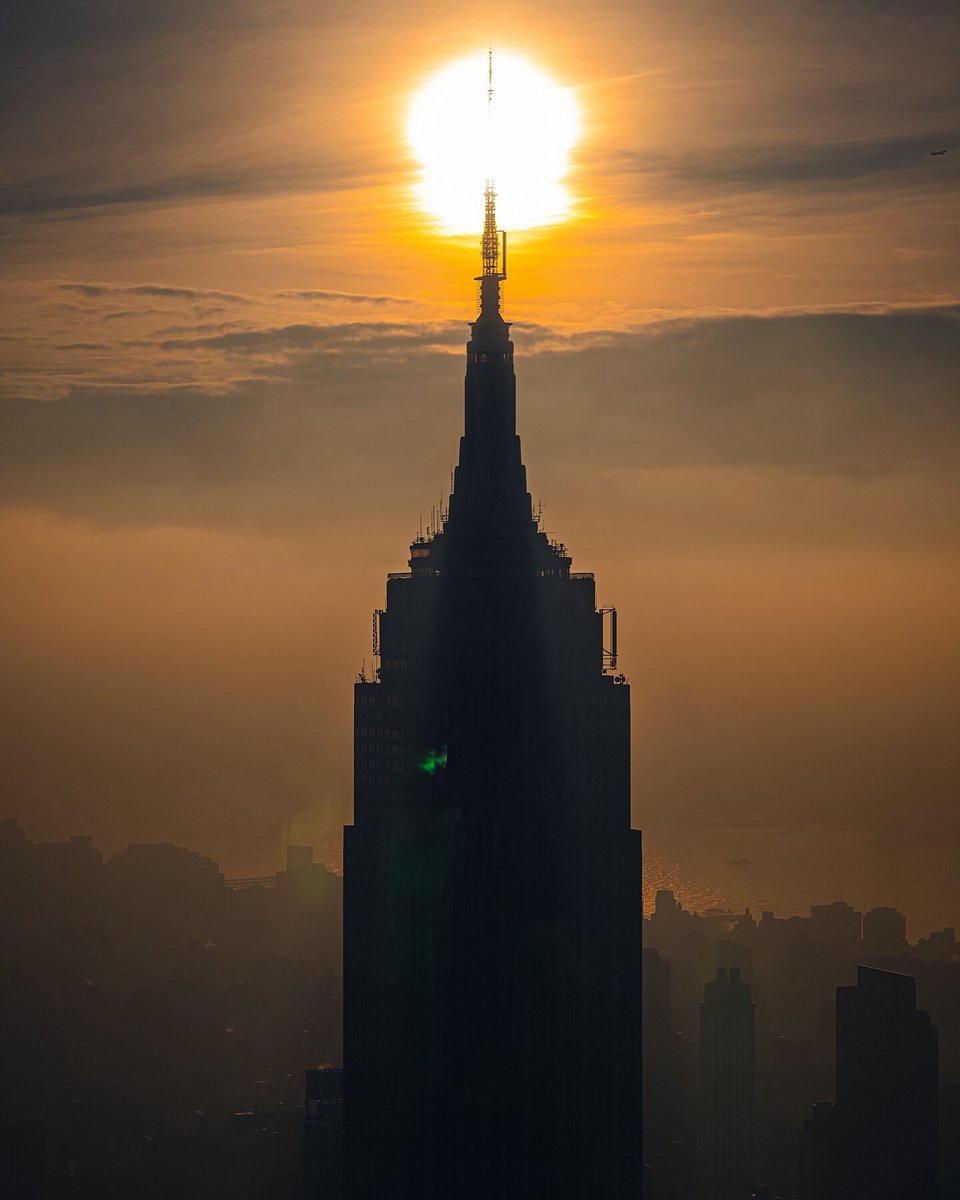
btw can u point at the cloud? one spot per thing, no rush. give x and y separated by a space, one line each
179 293
346 297
798 164
68 194
855 396
93 290
124 314
832 392
191 330
379 335
97 291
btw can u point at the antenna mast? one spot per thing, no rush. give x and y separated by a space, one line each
494 241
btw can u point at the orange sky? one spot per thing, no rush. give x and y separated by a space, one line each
232 380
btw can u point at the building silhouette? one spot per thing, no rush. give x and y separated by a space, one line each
879 1141
659 1056
884 933
492 881
835 924
727 1087
668 1120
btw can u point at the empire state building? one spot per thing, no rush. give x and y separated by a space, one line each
492 880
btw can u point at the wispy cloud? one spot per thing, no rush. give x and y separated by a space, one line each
345 297
906 160
847 394
382 335
96 291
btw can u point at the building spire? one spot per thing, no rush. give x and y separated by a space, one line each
494 259
490 523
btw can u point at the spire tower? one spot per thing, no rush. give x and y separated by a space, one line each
490 511
492 881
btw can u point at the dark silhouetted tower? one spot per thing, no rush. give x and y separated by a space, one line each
879 1142
492 881
727 1054
887 1085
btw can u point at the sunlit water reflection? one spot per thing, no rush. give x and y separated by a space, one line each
786 869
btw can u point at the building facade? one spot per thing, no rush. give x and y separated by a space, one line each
727 1087
880 1140
492 880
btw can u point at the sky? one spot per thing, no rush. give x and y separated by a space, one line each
231 363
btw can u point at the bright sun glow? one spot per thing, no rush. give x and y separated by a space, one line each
521 141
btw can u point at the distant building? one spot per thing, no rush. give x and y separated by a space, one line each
835 924
884 933
820 1154
669 1081
161 868
775 939
880 1140
307 881
938 947
887 1087
658 1045
730 953
727 1072
657 1027
666 906
745 927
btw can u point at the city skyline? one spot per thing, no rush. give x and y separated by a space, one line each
155 935
247 949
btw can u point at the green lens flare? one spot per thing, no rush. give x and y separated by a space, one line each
434 761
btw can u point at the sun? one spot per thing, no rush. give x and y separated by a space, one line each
521 139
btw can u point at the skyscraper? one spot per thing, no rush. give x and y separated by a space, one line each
727 1078
887 1087
492 881
880 1140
